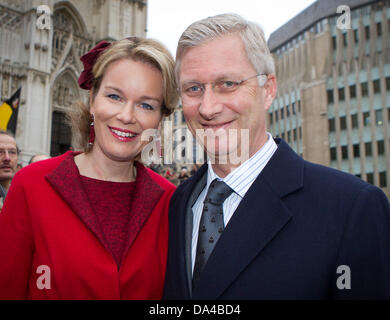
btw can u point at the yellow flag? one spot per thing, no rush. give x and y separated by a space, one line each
5 115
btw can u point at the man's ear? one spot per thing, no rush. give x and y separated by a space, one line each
270 87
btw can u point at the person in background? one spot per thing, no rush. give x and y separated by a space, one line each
272 225
183 175
93 224
9 152
38 157
194 168
169 174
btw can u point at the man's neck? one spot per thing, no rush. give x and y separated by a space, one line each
224 167
5 184
222 170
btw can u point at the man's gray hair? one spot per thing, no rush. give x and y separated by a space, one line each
251 34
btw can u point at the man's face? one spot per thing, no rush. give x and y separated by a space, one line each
8 157
225 59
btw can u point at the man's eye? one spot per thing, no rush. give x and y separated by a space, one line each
227 84
193 89
114 97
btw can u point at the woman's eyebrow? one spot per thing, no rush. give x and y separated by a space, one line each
114 88
141 98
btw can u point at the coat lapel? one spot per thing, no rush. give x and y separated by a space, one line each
181 225
145 188
65 180
198 188
258 219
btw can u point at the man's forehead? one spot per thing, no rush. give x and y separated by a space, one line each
215 59
7 141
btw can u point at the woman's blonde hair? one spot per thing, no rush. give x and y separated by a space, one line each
137 49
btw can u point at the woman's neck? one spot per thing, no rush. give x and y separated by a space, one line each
96 166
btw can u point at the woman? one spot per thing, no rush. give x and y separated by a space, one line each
93 225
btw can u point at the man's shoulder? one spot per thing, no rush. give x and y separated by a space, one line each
183 186
337 185
188 185
315 176
331 177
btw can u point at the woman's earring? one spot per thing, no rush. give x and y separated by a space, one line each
92 131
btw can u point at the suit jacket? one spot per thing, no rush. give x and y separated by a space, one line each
302 231
47 221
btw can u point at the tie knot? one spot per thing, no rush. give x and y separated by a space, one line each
218 192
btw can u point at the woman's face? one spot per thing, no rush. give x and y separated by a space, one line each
128 102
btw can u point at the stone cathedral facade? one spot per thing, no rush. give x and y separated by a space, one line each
40 51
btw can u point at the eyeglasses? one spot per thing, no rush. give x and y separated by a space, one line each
192 91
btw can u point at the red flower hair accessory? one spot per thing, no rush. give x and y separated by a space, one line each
89 59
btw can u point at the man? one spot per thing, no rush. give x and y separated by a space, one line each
183 175
278 227
38 157
8 162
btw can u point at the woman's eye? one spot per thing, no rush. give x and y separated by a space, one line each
146 106
114 97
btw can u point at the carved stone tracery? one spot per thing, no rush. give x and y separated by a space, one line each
65 91
10 19
70 42
65 28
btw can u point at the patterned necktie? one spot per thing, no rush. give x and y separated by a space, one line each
211 224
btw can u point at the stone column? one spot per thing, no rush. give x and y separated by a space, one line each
34 135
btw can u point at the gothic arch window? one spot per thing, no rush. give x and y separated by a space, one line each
64 93
68 25
60 134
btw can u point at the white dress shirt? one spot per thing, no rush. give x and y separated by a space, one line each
239 180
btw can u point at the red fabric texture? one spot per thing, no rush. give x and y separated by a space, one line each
111 202
47 220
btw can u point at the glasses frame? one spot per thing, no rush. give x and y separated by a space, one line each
214 84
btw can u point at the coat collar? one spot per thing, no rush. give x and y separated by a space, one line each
65 180
260 216
186 196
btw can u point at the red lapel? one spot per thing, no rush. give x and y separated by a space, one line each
146 194
65 180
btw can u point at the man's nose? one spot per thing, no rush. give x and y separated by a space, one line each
6 156
210 106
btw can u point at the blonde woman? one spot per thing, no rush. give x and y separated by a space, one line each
93 224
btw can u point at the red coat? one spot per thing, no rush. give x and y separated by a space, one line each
46 221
